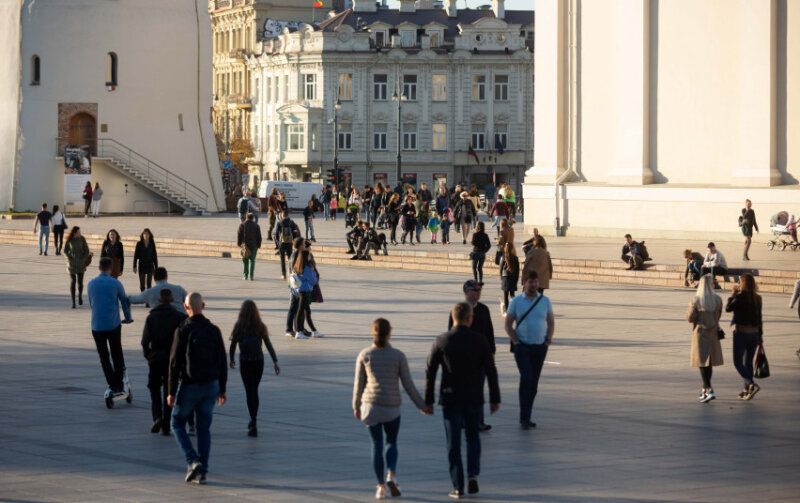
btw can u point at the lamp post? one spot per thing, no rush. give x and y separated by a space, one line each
336 108
227 135
399 98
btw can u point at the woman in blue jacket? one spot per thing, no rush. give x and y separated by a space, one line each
304 277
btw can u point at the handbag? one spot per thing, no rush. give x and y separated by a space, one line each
720 333
761 365
316 294
244 251
497 256
89 259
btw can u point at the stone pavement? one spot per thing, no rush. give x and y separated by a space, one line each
223 227
617 412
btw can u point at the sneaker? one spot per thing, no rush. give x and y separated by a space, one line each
300 335
472 485
708 396
316 335
156 427
288 334
354 257
380 493
80 300
456 494
193 471
702 395
244 278
743 395
252 431
394 487
484 427
751 391
527 425
202 479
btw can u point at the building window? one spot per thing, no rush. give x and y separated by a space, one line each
36 70
379 84
409 136
345 136
345 86
501 136
295 136
439 87
410 87
478 137
501 87
256 89
380 38
478 87
111 69
277 144
256 137
440 137
434 35
408 38
310 87
268 138
285 88
314 131
379 137
275 97
268 88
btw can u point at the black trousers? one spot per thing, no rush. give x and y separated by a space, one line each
251 371
286 252
110 341
157 384
87 203
76 278
304 313
145 280
58 238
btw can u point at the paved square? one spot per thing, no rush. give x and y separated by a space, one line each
617 412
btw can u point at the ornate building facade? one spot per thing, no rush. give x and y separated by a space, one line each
464 77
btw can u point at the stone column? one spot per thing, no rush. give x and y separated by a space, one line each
758 123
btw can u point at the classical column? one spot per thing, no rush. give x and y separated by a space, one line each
758 122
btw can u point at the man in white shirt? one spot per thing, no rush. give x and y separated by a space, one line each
714 263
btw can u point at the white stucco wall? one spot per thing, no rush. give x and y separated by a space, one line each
9 96
164 70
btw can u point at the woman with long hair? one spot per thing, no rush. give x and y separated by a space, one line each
506 233
704 312
76 252
745 304
409 220
59 223
305 277
509 275
480 245
376 401
249 332
112 248
375 204
393 215
145 259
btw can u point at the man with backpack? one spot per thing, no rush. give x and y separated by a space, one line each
285 232
249 238
197 363
242 206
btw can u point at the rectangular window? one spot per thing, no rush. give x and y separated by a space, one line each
268 88
314 131
478 137
440 137
379 137
478 87
500 136
345 86
277 88
434 38
408 38
277 135
268 138
345 137
285 88
501 87
380 38
379 84
440 87
409 136
410 87
310 86
256 137
295 136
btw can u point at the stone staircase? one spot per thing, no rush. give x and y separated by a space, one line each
669 276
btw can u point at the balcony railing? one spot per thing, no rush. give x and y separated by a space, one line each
237 54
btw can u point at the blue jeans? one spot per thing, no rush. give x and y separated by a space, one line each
309 226
392 428
530 360
326 210
201 398
455 419
445 231
44 232
744 351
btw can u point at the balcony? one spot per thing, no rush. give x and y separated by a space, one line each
240 101
238 54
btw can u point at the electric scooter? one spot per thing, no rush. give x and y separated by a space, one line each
126 393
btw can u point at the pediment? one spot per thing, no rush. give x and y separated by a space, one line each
487 22
410 116
346 116
501 117
407 25
478 117
380 116
439 117
292 109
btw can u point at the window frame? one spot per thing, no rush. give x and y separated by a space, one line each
36 70
502 87
439 88
412 37
409 86
380 139
479 87
345 85
382 86
295 132
441 135
310 85
502 134
344 136
112 69
409 137
478 137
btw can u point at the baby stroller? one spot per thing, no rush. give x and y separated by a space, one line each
351 216
784 231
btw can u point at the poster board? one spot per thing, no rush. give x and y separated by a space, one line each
77 171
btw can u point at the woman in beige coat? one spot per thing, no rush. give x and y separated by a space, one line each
538 259
704 312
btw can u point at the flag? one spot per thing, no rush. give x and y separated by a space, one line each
473 154
318 4
498 145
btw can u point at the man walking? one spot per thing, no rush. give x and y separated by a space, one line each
273 209
150 297
43 221
533 315
285 232
197 362
106 294
465 358
249 235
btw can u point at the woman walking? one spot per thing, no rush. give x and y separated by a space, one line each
376 401
506 234
509 275
480 245
538 259
748 223
59 224
97 194
249 333
393 215
76 252
464 213
304 278
145 259
409 220
112 248
704 312
745 304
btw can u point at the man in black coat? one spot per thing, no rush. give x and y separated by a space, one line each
285 233
159 330
465 358
249 235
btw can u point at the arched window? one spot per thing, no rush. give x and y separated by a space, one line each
36 70
111 69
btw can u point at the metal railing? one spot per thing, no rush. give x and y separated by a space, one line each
112 149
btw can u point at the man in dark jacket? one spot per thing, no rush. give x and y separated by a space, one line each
632 253
198 363
249 235
159 330
465 358
285 233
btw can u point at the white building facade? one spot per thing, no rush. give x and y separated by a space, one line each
465 77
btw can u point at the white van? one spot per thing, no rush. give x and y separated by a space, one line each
297 193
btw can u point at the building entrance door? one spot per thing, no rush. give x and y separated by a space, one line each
83 132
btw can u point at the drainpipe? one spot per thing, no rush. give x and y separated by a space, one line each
572 71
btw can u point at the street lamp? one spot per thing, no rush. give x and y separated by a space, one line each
227 135
399 98
336 108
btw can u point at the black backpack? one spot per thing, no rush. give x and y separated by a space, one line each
287 234
202 357
243 204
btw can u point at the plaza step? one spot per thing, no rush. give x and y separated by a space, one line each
455 260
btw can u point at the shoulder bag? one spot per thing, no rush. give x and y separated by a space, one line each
519 322
244 250
761 365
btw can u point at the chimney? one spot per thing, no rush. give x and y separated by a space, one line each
364 6
408 6
499 8
452 9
